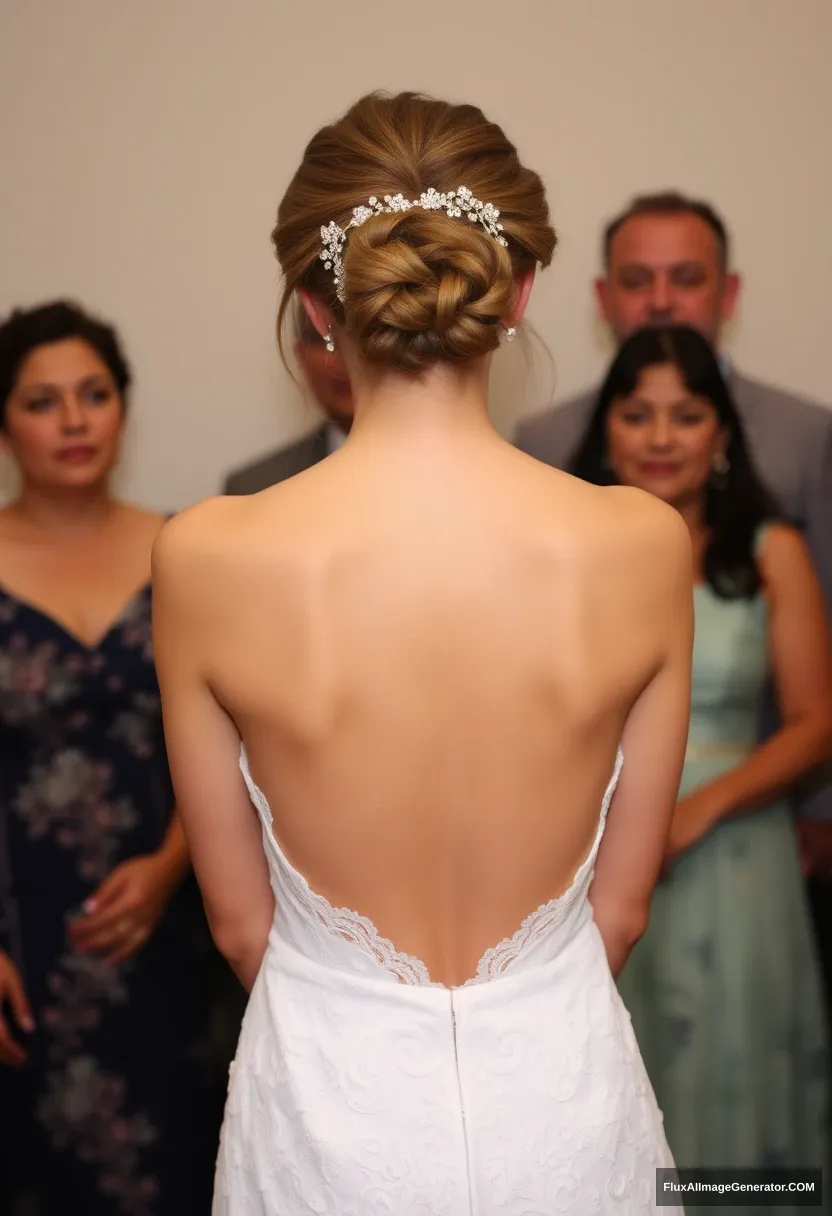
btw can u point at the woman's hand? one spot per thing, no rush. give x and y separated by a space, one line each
12 996
121 915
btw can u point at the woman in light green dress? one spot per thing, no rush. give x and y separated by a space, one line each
724 988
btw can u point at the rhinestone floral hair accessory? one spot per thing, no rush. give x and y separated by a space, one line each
454 203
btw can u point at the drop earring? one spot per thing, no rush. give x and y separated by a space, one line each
330 345
511 334
720 468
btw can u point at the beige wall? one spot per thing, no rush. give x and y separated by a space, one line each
144 145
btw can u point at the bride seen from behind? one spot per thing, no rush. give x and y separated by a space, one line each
447 687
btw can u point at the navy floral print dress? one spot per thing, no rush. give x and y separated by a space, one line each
108 1112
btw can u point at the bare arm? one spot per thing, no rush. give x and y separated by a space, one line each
801 655
220 824
654 740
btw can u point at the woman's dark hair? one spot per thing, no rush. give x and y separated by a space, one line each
735 505
58 321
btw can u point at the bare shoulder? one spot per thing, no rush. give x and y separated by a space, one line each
196 540
643 529
638 508
231 537
781 552
656 547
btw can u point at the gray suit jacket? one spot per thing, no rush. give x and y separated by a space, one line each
278 466
790 441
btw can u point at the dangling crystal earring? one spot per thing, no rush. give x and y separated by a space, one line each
330 345
511 334
721 467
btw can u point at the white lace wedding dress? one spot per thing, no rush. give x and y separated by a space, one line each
361 1088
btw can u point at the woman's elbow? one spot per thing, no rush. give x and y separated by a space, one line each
242 943
622 925
634 925
231 943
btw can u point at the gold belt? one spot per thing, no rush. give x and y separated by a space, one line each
706 751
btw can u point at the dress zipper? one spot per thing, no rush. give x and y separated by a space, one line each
462 1106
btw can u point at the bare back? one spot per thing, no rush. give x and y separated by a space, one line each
432 660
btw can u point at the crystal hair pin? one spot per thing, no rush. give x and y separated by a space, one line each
454 203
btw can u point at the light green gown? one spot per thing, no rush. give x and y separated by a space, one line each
724 987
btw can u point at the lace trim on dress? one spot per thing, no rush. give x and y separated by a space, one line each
545 919
347 924
350 926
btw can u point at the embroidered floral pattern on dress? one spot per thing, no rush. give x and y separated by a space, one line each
362 1088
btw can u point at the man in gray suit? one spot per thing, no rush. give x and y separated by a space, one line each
667 260
328 381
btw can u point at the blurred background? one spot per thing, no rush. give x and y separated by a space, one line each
145 145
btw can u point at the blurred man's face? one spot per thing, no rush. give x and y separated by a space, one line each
666 269
328 380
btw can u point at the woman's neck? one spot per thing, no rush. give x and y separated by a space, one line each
446 402
73 513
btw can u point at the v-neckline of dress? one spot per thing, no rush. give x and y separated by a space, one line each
70 634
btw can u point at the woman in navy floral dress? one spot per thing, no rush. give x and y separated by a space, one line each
102 991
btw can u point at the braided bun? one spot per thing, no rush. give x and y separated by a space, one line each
419 286
422 286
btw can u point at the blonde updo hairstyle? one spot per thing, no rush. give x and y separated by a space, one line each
419 286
